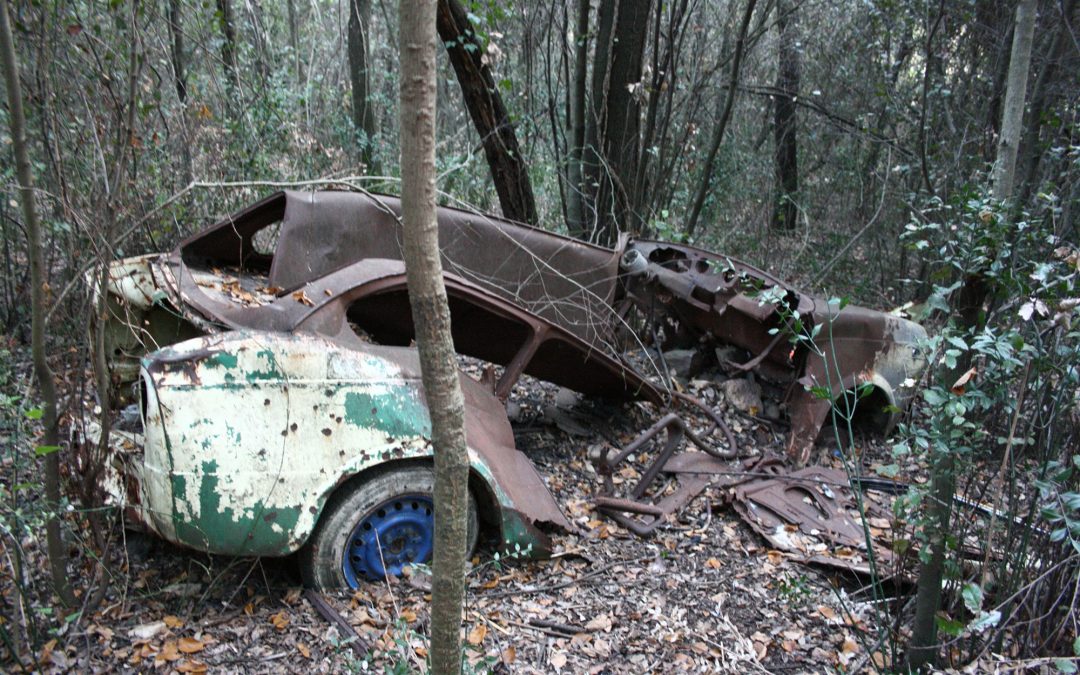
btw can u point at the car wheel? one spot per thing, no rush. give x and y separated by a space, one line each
377 528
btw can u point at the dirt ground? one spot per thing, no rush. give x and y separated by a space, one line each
705 593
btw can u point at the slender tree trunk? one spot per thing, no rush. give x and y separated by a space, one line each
363 113
509 171
431 316
38 282
294 39
258 34
1012 117
968 306
721 124
179 64
785 205
612 126
176 50
228 49
1041 100
575 203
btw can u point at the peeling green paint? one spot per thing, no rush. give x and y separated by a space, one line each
397 412
222 360
250 532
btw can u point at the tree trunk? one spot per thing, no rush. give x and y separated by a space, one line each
972 294
1012 117
1041 100
176 52
50 442
489 115
431 316
612 125
721 124
575 202
228 50
785 204
294 40
363 113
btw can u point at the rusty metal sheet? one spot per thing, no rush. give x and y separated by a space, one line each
566 281
703 294
812 513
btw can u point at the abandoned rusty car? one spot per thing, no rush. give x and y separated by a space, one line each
280 407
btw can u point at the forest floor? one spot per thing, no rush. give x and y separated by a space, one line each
704 594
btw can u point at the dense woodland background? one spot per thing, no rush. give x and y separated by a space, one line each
846 146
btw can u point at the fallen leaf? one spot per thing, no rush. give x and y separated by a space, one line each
190 645
293 595
169 652
602 622
827 612
558 660
147 631
713 563
509 655
191 666
302 298
775 557
303 649
280 620
477 634
408 615
173 621
849 646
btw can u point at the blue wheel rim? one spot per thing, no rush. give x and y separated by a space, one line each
403 527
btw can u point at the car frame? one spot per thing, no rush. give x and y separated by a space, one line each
275 378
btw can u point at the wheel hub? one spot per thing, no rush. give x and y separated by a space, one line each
396 533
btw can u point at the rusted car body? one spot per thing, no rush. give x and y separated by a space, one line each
272 358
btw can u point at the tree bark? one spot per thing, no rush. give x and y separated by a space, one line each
228 49
50 441
179 63
294 39
785 204
721 125
1012 117
976 287
431 316
1041 99
612 126
509 171
363 113
575 202
176 51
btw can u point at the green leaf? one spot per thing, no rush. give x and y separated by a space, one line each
949 626
985 620
933 396
34 414
43 450
1065 665
973 597
889 470
1076 646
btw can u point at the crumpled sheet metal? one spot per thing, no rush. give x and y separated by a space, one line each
812 514
705 294
566 281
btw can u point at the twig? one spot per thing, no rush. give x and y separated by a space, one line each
545 631
553 625
353 639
